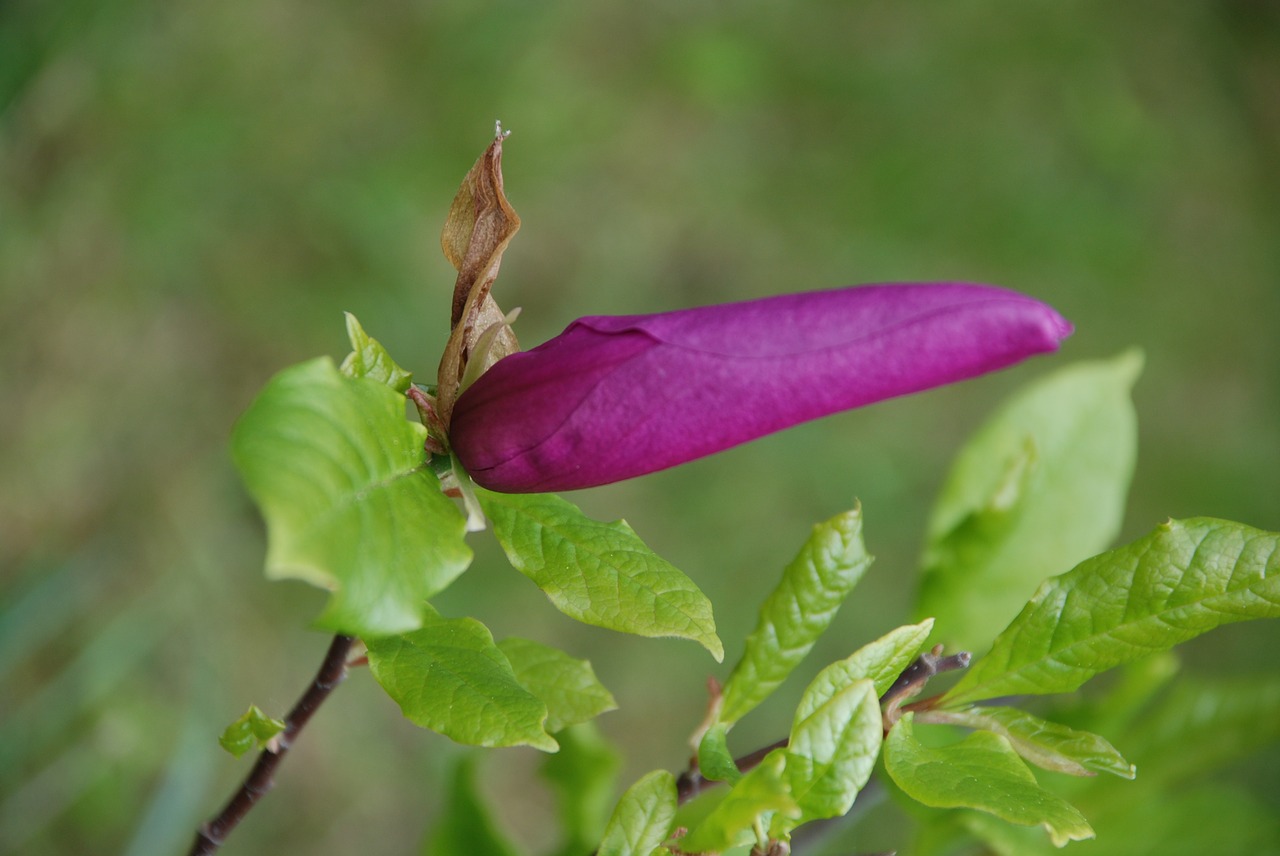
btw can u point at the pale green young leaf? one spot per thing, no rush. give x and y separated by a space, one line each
349 501
582 776
1040 487
369 359
567 686
450 677
797 612
1185 578
466 826
643 818
599 573
251 731
980 772
1049 745
715 762
831 752
881 662
760 795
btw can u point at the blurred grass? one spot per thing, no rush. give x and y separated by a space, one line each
191 193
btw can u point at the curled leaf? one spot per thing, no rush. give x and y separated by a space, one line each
481 223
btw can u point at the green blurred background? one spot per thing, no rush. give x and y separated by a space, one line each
191 193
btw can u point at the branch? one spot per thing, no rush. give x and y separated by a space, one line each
261 778
907 685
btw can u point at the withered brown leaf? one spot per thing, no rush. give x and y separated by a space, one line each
481 223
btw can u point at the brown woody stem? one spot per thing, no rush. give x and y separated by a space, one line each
261 778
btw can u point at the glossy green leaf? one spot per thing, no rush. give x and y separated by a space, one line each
599 573
881 662
832 751
980 772
797 612
1046 744
369 359
715 761
1039 488
761 794
643 818
1185 578
582 775
566 685
450 677
466 826
349 501
251 731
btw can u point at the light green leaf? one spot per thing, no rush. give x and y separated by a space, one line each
599 573
981 772
582 774
1185 578
715 762
643 818
466 826
881 662
758 796
253 730
567 686
832 751
1039 488
369 359
797 612
350 504
451 678
1046 744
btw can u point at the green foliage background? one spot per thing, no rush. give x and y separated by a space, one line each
192 193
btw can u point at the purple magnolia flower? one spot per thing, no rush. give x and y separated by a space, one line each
611 398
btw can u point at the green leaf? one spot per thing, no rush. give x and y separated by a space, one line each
797 612
466 826
715 761
253 730
451 678
567 686
1046 744
599 573
980 772
582 775
831 752
643 817
1039 488
1185 578
369 359
349 501
758 796
881 662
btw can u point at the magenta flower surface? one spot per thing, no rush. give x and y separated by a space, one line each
613 397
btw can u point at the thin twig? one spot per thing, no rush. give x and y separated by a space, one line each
691 783
261 778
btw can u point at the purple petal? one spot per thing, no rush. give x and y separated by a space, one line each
611 398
